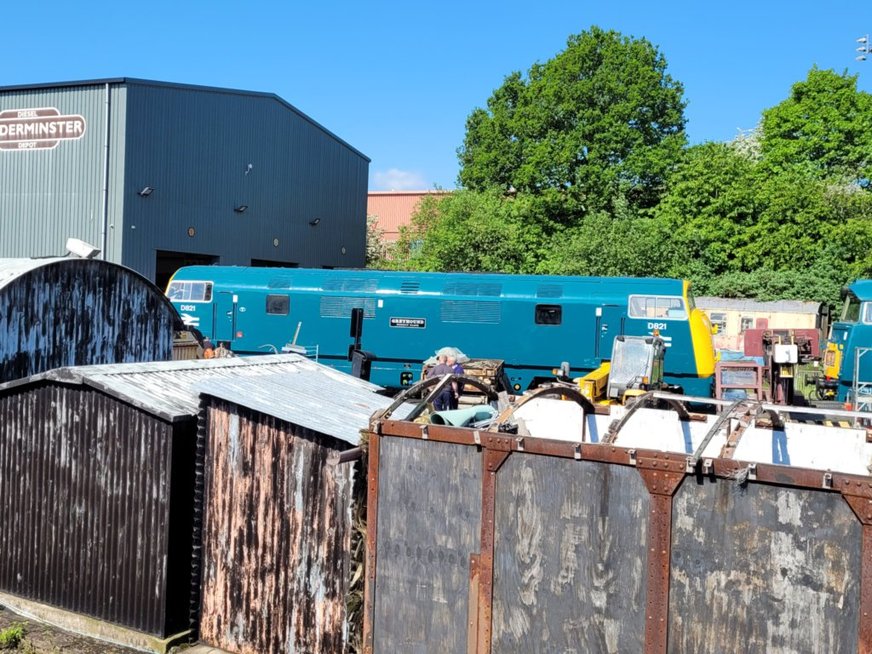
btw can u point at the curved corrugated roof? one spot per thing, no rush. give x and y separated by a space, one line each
12 269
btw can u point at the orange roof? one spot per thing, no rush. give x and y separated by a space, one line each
394 209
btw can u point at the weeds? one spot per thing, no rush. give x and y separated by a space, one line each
12 636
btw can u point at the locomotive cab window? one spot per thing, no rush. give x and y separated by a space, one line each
549 314
278 305
660 307
188 291
851 311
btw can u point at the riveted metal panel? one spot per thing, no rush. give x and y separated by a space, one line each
276 535
48 195
428 527
208 152
100 499
71 312
760 568
569 557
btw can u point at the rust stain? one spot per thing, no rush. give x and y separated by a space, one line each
277 538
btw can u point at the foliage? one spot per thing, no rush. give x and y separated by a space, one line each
12 636
580 168
468 231
376 248
824 127
601 120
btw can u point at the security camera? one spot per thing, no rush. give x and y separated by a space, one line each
81 249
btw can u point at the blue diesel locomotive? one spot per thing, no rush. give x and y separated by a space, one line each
848 346
534 323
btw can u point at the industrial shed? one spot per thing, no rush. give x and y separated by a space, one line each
279 507
97 471
159 175
57 312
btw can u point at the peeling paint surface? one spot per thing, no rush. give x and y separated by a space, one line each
276 536
764 569
427 530
569 559
60 312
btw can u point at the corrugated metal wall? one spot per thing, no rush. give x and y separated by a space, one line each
97 503
81 312
47 195
194 146
276 536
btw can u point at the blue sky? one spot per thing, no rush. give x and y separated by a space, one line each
397 80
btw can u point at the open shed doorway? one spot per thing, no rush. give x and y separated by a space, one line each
167 263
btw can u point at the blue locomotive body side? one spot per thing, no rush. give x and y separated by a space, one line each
850 335
533 323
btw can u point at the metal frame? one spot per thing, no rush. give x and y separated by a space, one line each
662 473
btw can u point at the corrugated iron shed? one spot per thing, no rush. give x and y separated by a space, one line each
277 534
62 311
171 389
97 471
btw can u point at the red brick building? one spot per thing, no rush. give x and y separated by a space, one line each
393 209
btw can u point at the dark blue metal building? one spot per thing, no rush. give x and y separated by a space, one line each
158 175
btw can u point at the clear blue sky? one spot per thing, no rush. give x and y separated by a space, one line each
397 80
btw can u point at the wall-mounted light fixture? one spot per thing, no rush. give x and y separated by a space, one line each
242 208
146 191
314 222
249 168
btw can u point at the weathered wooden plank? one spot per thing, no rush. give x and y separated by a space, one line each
428 526
760 568
570 557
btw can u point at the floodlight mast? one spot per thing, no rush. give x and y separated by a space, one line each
865 48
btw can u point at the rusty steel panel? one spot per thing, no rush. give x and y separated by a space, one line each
570 560
429 513
97 508
70 312
763 568
276 536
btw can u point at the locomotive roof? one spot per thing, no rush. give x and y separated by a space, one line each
862 288
388 282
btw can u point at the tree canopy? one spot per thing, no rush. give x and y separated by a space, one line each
582 168
600 120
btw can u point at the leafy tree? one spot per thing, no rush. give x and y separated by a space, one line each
376 248
824 127
469 231
604 246
601 120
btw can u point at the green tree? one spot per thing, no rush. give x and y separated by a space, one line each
599 121
823 127
471 231
376 247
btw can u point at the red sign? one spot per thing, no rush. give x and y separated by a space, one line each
38 129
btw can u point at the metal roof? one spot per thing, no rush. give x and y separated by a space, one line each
190 87
315 397
12 269
779 306
287 386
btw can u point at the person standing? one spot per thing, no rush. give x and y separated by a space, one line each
443 400
456 387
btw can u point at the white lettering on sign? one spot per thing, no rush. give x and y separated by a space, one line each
33 129
187 307
657 325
